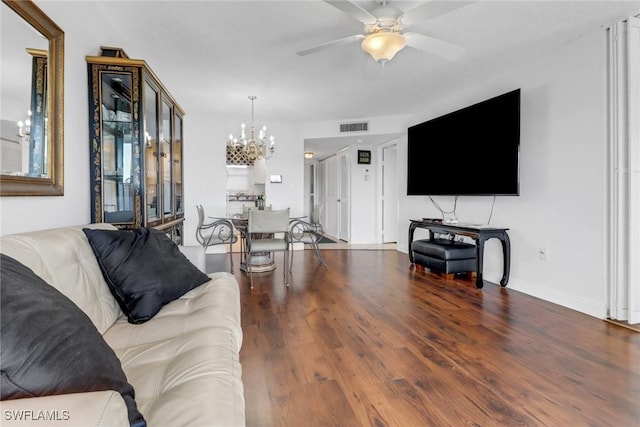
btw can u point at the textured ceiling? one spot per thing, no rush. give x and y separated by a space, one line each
235 48
213 54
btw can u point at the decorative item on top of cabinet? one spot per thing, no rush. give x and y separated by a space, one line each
135 132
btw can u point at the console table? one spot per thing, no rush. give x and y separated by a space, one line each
480 233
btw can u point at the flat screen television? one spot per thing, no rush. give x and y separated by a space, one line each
472 151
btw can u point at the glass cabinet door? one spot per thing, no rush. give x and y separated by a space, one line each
117 148
165 159
151 153
177 162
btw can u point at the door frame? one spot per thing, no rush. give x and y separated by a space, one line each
329 214
344 230
379 187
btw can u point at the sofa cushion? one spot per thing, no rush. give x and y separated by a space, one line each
48 346
63 258
215 304
144 269
184 363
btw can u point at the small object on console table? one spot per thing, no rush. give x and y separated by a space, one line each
480 234
437 220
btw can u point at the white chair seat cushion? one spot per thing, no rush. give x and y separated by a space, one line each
266 245
184 365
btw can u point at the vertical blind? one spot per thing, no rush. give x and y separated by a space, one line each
624 171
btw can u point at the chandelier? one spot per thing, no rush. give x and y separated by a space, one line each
24 127
254 148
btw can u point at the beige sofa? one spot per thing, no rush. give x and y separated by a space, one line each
183 363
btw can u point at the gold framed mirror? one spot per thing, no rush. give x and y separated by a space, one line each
32 97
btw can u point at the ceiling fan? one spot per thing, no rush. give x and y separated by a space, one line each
384 30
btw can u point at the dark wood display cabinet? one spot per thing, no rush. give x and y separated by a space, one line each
135 131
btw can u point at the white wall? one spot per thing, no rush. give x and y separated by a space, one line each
377 126
562 199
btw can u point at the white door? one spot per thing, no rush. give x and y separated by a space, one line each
389 194
343 195
331 198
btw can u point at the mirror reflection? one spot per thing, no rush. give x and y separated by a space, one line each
31 101
24 100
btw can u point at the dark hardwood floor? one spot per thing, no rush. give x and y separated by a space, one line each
374 342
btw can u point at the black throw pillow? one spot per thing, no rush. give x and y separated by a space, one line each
48 346
144 269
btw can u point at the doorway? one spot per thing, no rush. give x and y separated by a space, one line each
331 195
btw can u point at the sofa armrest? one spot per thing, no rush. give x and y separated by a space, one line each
196 255
97 408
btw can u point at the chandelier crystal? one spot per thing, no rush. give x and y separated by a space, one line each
254 148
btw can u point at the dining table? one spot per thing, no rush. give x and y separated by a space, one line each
260 262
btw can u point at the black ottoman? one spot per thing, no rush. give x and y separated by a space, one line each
445 256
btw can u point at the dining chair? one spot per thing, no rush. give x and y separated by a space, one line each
267 231
301 231
218 232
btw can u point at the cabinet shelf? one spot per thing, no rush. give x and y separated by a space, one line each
117 89
113 177
116 121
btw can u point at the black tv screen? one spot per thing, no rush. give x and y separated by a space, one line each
472 151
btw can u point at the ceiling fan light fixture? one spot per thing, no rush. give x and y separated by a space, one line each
383 45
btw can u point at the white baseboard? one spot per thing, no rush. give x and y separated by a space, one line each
575 302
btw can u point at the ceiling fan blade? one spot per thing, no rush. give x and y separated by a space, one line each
327 45
350 8
435 46
430 10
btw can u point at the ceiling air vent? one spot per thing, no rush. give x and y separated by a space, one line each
354 127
